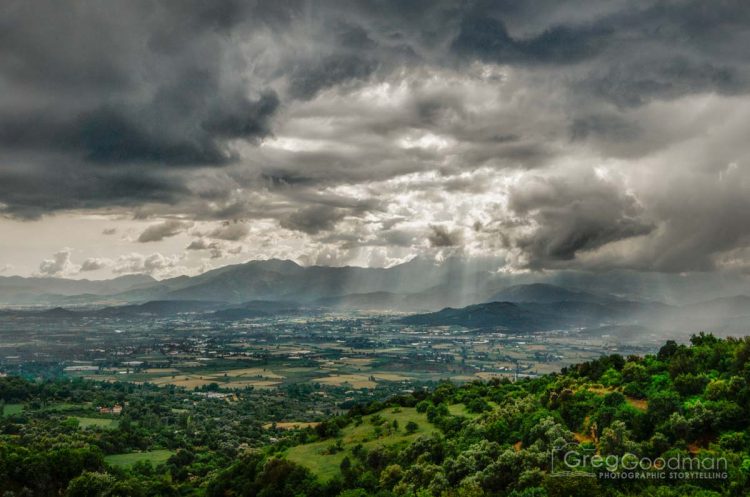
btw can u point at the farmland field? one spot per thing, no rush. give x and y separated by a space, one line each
291 425
97 423
155 457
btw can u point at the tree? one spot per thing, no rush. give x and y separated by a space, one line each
390 476
567 486
634 373
667 350
90 485
614 438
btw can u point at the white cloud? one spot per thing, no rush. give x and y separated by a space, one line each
59 265
154 264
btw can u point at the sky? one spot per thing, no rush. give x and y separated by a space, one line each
172 137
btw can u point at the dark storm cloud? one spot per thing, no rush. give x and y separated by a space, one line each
569 217
110 136
125 133
314 219
487 38
32 187
231 231
160 231
306 82
91 90
604 127
440 236
303 112
628 54
350 58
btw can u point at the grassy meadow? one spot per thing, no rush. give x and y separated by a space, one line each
324 460
155 457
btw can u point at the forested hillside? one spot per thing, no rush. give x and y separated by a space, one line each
672 424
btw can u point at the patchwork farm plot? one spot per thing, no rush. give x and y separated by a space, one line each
335 361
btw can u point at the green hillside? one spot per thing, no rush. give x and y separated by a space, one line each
672 424
387 428
687 406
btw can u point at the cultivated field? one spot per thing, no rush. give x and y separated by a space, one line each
155 457
108 424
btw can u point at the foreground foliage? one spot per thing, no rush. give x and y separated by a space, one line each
480 439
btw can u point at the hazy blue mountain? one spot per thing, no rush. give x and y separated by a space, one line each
58 313
261 308
417 286
16 289
369 301
501 315
285 280
543 292
739 305
160 308
526 316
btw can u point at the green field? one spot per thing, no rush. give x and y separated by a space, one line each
97 422
461 410
67 406
11 409
156 457
318 459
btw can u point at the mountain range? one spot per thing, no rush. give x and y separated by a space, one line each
449 293
423 283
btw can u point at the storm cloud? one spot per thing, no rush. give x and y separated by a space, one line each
442 237
548 134
158 232
567 217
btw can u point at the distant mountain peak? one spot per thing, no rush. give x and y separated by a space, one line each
547 293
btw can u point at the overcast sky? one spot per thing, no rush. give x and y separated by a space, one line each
176 136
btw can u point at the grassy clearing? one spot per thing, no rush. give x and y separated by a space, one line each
187 381
461 410
11 409
231 378
161 371
109 424
291 425
317 457
391 377
154 456
255 384
66 406
252 373
353 380
640 404
356 361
